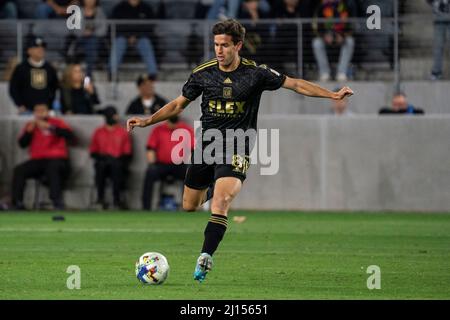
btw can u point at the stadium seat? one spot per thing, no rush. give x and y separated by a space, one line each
39 203
167 201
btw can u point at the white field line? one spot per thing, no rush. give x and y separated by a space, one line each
105 230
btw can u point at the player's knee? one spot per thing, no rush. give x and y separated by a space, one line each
221 202
189 206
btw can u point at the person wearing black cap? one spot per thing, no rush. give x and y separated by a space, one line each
111 149
148 102
33 81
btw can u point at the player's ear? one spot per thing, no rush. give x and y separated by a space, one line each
239 45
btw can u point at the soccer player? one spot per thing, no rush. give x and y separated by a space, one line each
231 86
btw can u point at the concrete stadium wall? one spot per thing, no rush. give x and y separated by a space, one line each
355 163
369 97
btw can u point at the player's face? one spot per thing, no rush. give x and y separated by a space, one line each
226 50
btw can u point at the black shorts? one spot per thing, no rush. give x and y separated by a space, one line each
201 176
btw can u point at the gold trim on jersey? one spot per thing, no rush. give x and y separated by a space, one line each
205 65
248 62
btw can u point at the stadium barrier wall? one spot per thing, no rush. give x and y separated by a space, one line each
369 97
325 163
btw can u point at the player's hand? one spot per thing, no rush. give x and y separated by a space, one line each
135 122
344 92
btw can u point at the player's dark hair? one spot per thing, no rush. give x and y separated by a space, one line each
230 27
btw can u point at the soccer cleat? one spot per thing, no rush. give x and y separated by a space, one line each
204 265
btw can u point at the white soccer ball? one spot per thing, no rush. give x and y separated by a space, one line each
152 268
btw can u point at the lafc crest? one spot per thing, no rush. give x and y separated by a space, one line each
227 92
38 78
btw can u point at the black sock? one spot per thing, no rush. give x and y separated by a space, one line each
214 231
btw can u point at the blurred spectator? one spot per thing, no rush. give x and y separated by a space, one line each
159 156
400 105
133 35
111 149
256 33
441 10
78 94
291 9
50 9
47 139
285 39
224 9
9 68
34 80
94 28
148 102
8 9
334 36
340 107
193 50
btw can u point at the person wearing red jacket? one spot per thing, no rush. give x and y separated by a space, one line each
111 149
159 155
46 138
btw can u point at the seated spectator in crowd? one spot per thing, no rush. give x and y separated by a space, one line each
8 9
256 33
225 9
285 42
111 149
400 105
78 94
334 35
159 156
148 102
47 139
34 80
133 35
94 28
340 107
441 11
50 9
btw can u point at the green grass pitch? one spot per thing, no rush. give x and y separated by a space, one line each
272 255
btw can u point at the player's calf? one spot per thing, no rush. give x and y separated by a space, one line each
192 198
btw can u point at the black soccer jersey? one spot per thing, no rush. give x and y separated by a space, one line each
231 99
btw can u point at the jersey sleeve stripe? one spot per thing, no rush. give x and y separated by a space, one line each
205 65
248 62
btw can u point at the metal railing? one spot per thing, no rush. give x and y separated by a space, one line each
181 44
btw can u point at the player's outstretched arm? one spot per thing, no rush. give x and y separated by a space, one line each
171 109
313 90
